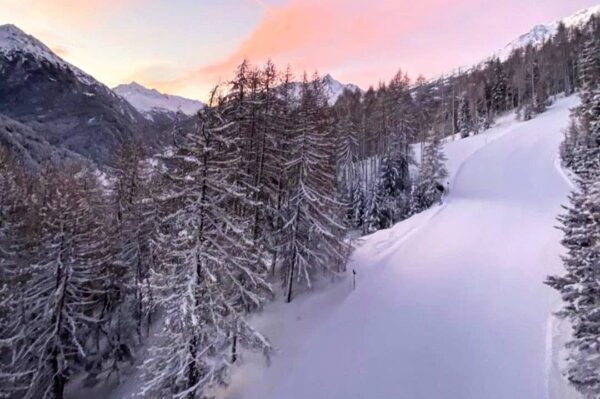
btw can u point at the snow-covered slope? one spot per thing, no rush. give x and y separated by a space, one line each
449 303
148 101
13 41
541 33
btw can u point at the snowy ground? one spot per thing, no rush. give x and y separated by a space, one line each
450 303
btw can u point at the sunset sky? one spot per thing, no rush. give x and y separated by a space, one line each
186 46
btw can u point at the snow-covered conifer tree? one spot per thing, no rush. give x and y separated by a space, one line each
586 151
394 188
208 276
579 287
314 219
376 216
346 152
464 122
499 87
62 284
430 184
356 207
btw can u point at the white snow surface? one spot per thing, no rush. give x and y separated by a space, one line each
14 41
449 303
541 33
151 100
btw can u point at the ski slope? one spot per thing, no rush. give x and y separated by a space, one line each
450 303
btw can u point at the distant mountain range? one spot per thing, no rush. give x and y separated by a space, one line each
50 109
334 89
151 102
49 104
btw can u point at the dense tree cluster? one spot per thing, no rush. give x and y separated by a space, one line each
194 239
580 287
75 255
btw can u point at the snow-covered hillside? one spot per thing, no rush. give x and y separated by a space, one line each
148 101
14 41
449 303
541 33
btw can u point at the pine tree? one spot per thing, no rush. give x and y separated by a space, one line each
464 122
286 107
376 216
570 145
394 188
314 230
430 184
356 208
208 277
499 87
346 152
60 291
579 287
15 213
132 232
586 154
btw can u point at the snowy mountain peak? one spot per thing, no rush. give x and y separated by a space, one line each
334 88
543 32
581 17
148 101
13 41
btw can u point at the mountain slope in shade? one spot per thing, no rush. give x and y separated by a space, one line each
150 101
541 33
63 105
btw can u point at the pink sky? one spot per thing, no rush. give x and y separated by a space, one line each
186 46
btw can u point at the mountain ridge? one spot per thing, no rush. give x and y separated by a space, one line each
149 101
540 33
65 107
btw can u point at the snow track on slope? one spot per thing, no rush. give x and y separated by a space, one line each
450 303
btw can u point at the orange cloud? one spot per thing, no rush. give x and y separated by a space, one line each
317 35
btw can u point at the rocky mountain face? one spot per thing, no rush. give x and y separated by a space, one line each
50 105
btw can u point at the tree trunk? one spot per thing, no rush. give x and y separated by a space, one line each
290 282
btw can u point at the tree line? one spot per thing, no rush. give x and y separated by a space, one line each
579 285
